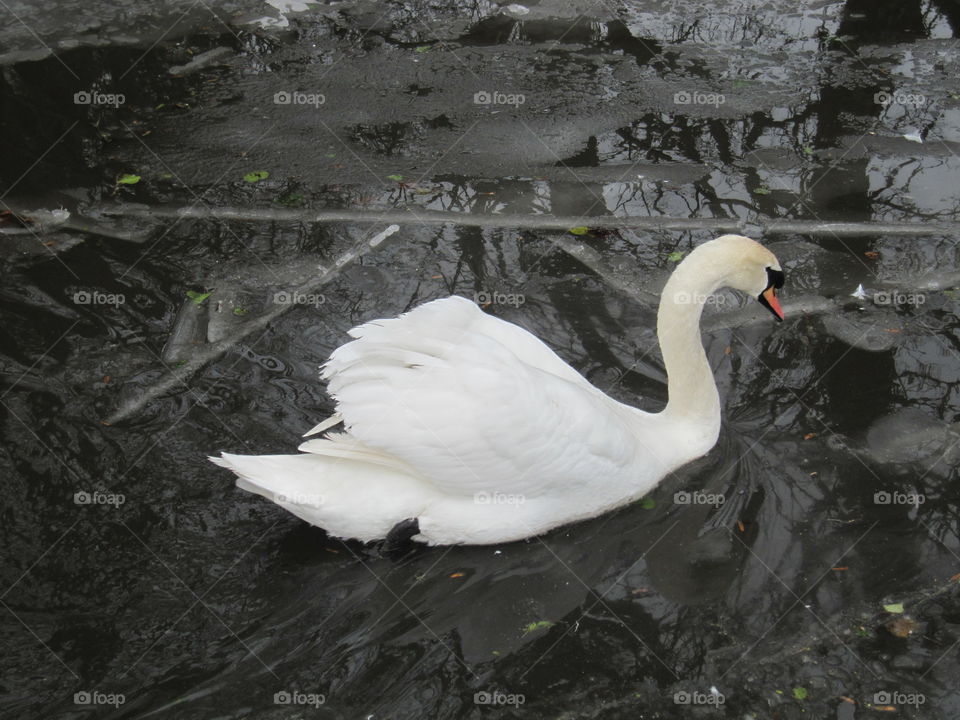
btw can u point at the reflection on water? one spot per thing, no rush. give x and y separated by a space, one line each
836 464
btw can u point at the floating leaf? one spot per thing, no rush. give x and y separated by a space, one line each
894 608
762 190
197 297
675 256
648 503
256 176
239 311
538 625
128 179
395 178
422 48
800 693
579 230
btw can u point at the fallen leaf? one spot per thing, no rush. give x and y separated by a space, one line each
256 176
762 191
800 693
239 311
538 625
872 254
894 608
579 230
842 567
809 436
395 178
848 700
197 298
675 256
901 627
884 708
727 350
457 575
106 378
128 179
436 277
955 578
422 48
740 526
648 503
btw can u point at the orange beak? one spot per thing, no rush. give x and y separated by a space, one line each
769 298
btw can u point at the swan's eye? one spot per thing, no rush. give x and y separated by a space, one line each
775 278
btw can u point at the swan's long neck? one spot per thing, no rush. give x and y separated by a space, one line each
692 391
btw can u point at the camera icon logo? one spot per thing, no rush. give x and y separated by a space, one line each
82 498
82 297
681 498
681 698
82 698
483 97
282 698
882 98
82 97
282 98
882 497
682 98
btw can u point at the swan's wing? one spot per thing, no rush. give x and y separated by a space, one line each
473 406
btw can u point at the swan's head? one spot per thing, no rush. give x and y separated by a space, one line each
752 269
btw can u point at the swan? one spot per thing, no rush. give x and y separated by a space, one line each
461 428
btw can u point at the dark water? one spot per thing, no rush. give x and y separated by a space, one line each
837 460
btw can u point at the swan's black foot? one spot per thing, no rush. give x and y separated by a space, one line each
398 542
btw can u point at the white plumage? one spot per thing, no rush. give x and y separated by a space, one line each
475 428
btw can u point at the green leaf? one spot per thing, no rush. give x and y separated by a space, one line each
579 230
538 625
330 155
128 179
395 178
423 48
675 256
239 311
800 693
495 652
762 190
894 608
807 150
197 297
256 176
648 503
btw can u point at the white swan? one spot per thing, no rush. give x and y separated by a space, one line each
463 428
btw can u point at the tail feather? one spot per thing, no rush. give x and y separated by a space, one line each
347 490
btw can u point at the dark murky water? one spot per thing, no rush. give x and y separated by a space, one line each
837 460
